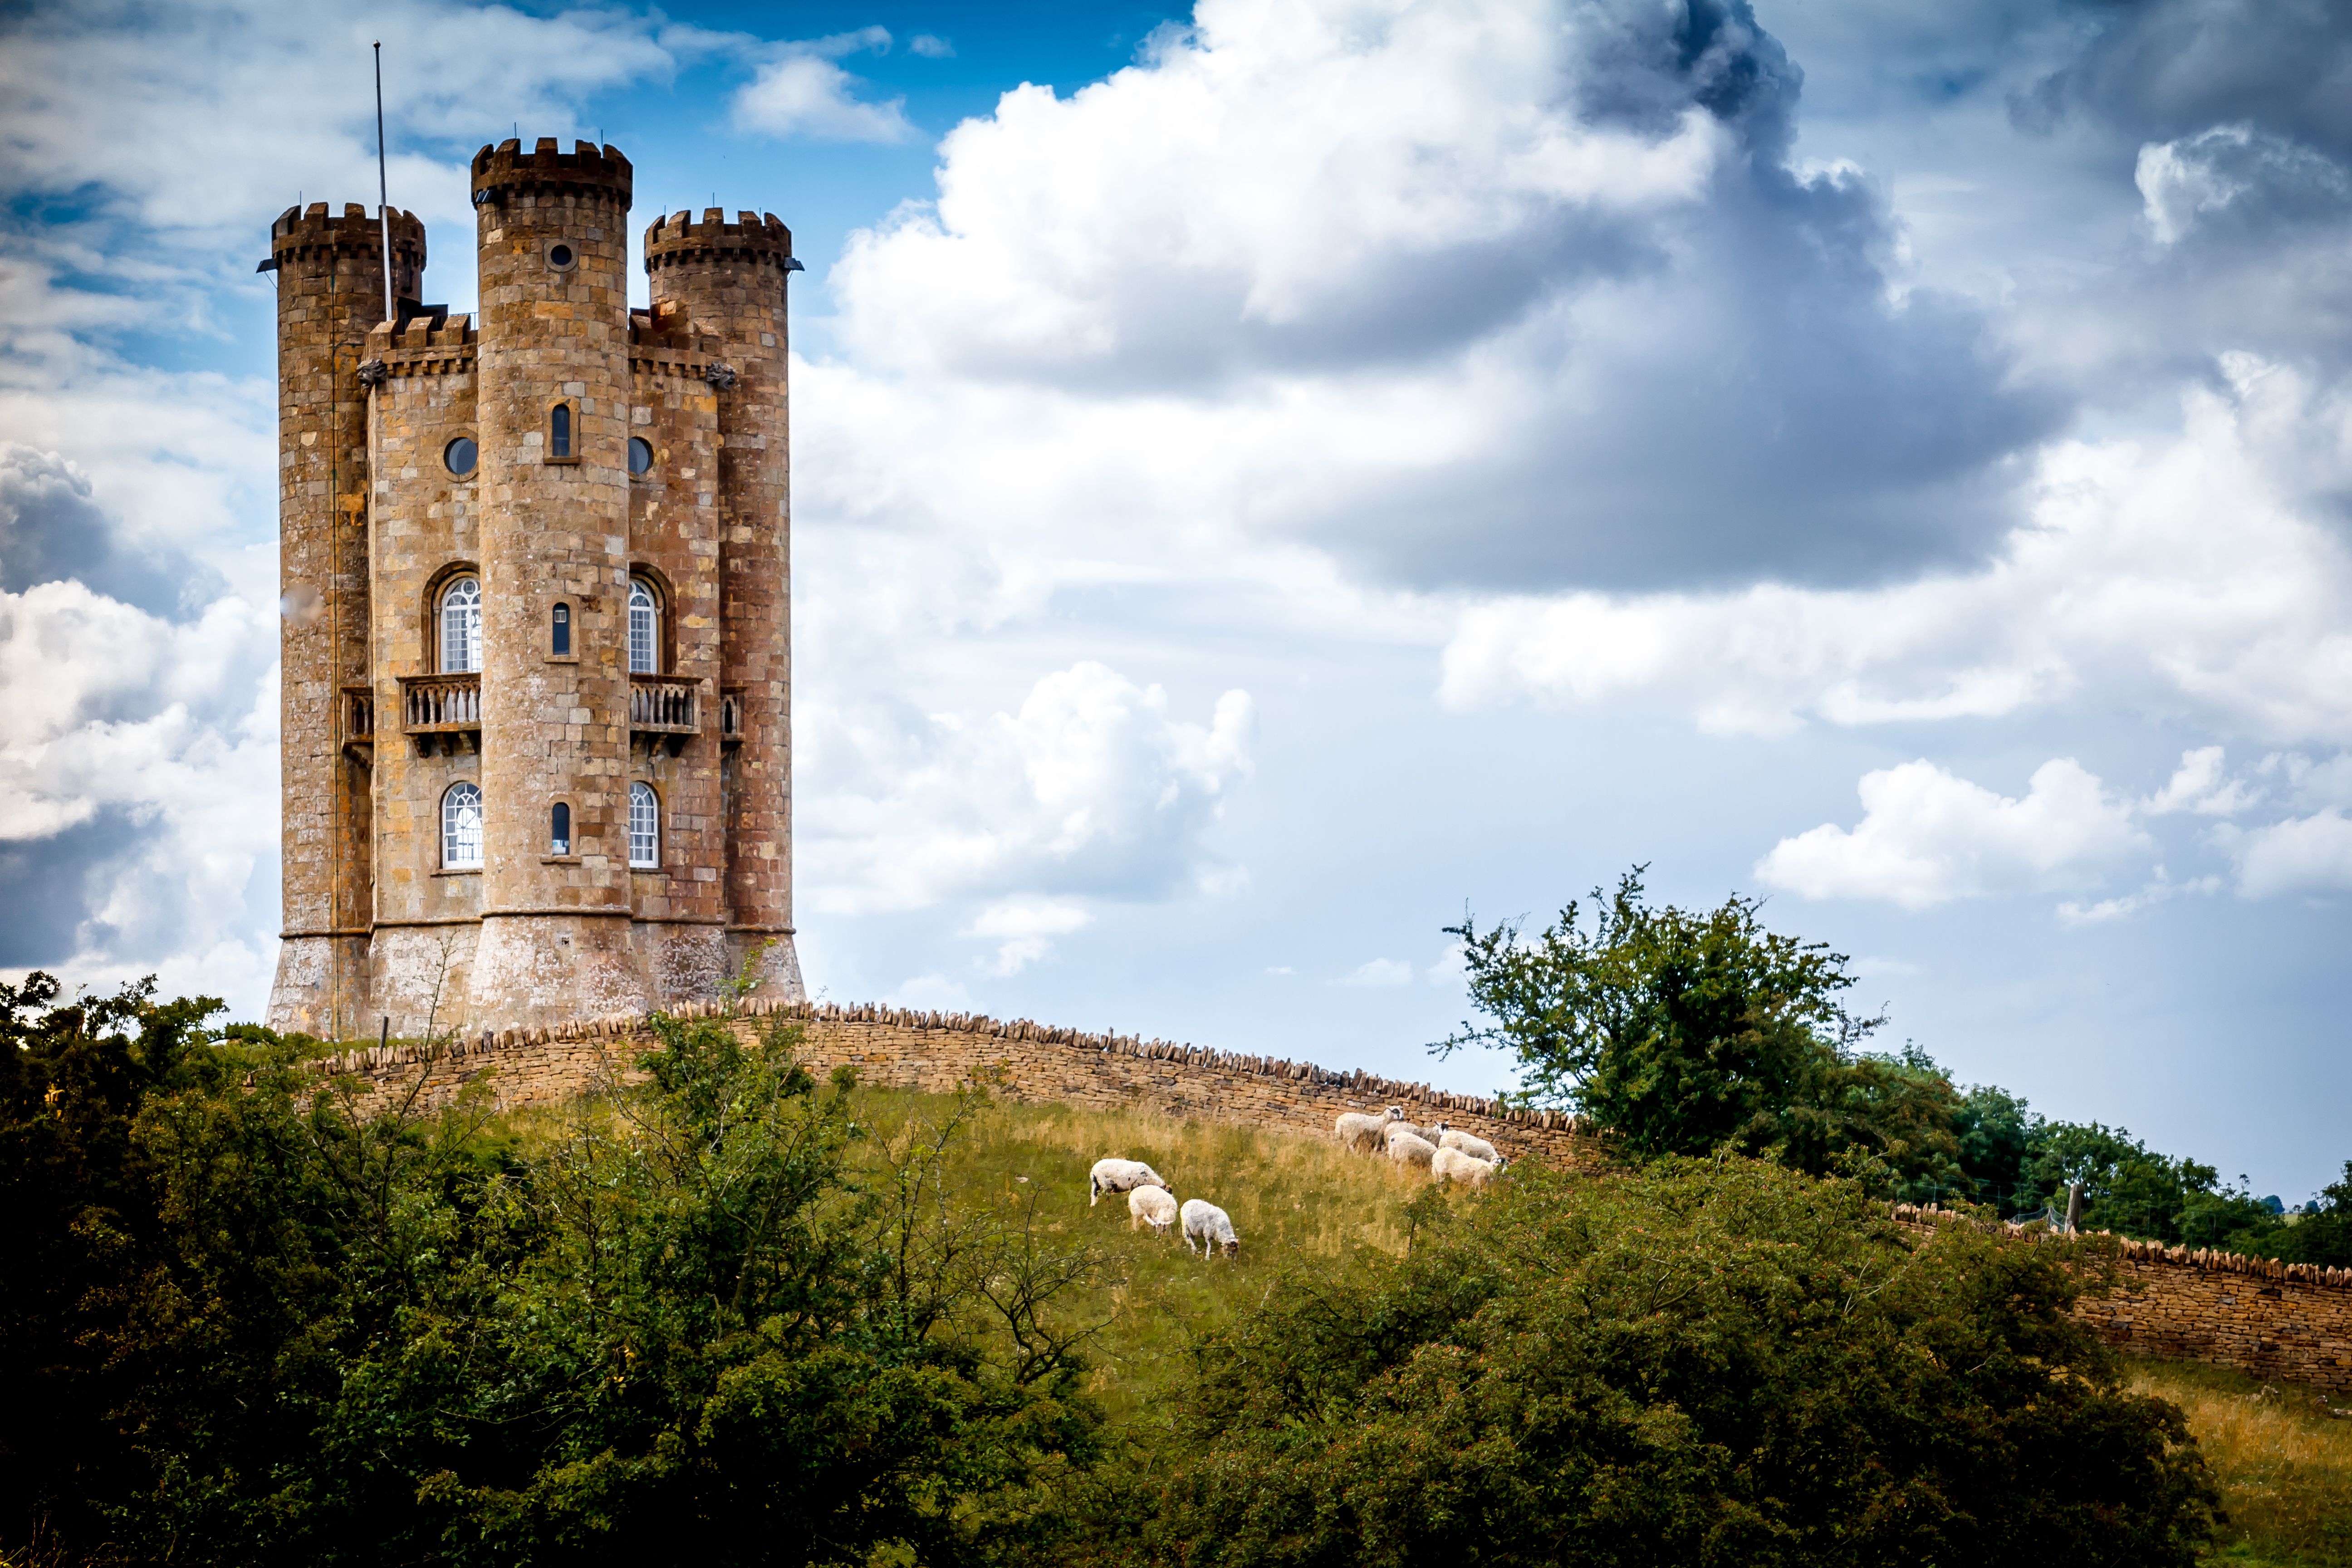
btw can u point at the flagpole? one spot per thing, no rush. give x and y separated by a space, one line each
383 182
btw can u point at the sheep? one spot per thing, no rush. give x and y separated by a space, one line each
1154 1206
1213 1225
1411 1149
1365 1134
1470 1143
1119 1176
1450 1164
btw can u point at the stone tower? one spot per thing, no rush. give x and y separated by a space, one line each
537 698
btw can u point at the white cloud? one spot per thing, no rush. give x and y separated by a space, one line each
2185 181
931 46
1379 973
1091 787
2184 575
1928 836
1026 928
2301 854
805 94
2199 785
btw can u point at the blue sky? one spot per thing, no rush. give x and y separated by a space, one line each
1291 472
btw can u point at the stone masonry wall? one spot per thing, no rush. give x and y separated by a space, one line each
2292 1321
2287 1321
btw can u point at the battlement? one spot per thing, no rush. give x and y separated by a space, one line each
679 237
587 167
312 230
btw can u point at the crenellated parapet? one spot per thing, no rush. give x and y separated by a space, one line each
587 169
751 239
312 232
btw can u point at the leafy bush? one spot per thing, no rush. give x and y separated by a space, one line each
259 1327
1694 1363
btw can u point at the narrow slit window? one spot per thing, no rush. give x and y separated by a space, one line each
461 627
559 431
461 829
645 828
560 632
559 829
645 629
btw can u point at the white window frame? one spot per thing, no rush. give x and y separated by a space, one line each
645 628
458 616
461 809
645 828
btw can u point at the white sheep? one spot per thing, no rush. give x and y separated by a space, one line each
1411 1149
1154 1206
1470 1143
1212 1227
1451 1164
1119 1176
1363 1133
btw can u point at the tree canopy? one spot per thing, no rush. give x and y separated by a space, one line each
1697 1362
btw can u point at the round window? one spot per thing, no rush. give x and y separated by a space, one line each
460 455
559 256
641 454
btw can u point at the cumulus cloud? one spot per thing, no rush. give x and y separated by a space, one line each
2301 854
1379 973
2233 169
1090 788
1572 316
801 91
2201 784
1026 928
1928 836
52 531
2186 575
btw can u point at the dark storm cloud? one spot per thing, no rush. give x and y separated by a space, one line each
52 889
1755 408
51 530
2169 67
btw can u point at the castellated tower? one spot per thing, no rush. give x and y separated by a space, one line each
537 708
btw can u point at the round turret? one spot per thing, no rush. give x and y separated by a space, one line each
752 237
586 168
311 237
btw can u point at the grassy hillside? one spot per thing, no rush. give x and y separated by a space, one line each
2284 1459
2283 1462
1292 1200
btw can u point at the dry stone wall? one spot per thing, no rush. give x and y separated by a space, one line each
2291 1321
1022 1060
2287 1321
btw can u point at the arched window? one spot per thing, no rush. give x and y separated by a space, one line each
461 827
559 431
558 636
645 628
645 828
559 829
461 627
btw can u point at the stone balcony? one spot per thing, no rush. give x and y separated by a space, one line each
664 709
440 712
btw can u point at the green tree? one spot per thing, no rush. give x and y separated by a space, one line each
1699 1362
714 1317
1681 1032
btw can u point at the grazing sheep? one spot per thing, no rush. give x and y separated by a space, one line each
1450 1165
1154 1206
1363 1133
1470 1143
1119 1176
1213 1225
1411 1148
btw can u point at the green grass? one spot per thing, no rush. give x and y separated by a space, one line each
2283 1462
1291 1199
2283 1458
